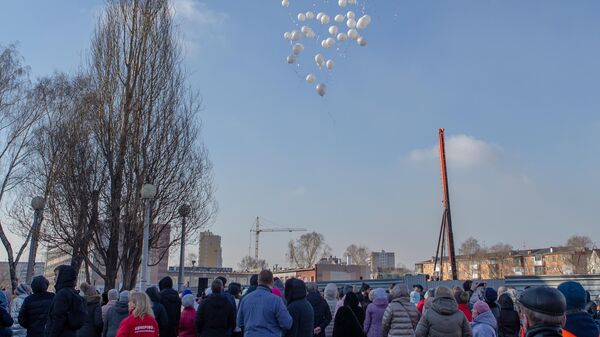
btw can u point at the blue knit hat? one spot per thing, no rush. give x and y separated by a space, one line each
574 294
491 295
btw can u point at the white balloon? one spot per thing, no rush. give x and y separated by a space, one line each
330 42
324 44
305 29
353 34
352 2
311 34
310 15
295 35
342 3
301 17
291 59
320 15
325 19
285 3
287 35
351 15
362 41
311 78
333 30
329 64
339 18
321 89
351 23
363 22
298 48
342 37
319 59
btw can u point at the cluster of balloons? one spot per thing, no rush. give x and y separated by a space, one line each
343 28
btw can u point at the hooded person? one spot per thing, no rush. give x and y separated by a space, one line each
443 317
462 299
34 311
22 292
484 323
579 322
64 304
509 322
5 320
169 298
160 314
401 316
112 298
349 318
322 312
116 314
187 327
374 313
92 325
491 296
331 297
299 308
346 290
215 315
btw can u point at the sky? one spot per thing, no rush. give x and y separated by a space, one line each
514 83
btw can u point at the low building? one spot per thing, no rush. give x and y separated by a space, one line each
326 270
193 276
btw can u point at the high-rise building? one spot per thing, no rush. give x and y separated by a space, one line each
210 250
382 261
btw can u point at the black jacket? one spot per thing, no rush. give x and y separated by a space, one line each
160 313
215 316
5 323
57 323
169 298
322 317
581 324
509 323
349 319
92 326
300 309
544 331
34 311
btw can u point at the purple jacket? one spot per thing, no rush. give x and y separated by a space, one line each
374 317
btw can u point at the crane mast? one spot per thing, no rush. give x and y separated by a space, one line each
258 229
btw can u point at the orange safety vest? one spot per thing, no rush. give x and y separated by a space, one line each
567 333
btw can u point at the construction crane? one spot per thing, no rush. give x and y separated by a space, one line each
258 229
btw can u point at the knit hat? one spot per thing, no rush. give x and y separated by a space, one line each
188 301
491 295
574 294
481 307
124 296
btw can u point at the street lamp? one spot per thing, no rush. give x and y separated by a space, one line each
193 267
37 203
184 211
147 193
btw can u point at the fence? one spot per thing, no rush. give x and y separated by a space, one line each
591 283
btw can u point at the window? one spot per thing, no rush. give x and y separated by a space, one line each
538 258
539 270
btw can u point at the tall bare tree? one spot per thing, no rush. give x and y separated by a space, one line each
580 241
358 254
249 263
307 250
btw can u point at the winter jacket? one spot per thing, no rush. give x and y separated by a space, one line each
303 316
138 327
105 308
420 306
401 317
322 312
114 317
62 303
465 310
214 317
494 308
581 324
34 311
415 297
160 314
15 308
331 294
92 326
544 331
443 319
169 298
262 314
509 322
484 325
346 324
187 327
374 317
5 320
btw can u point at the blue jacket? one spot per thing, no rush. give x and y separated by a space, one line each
581 324
262 314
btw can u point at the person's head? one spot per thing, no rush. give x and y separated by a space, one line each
490 295
365 289
165 283
140 305
416 287
467 285
429 294
311 287
265 278
113 295
124 296
188 301
216 286
505 301
39 284
462 297
330 292
575 295
542 305
479 308
351 300
348 289
378 293
66 277
398 291
223 280
88 290
254 280
456 289
235 289
502 290
443 292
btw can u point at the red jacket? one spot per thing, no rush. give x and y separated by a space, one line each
187 327
138 327
465 309
420 306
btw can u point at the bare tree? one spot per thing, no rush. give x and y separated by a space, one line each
358 254
474 253
306 251
496 257
580 241
249 263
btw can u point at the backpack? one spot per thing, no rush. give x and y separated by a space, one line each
76 316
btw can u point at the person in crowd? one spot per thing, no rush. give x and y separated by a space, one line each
116 314
443 318
579 322
401 317
92 325
429 296
543 311
363 296
160 313
187 326
229 298
478 294
509 323
103 298
591 307
262 314
374 313
253 284
484 323
34 311
235 289
299 308
278 287
113 297
64 304
349 318
491 296
462 299
22 292
415 294
421 304
215 315
169 298
502 290
6 320
345 290
321 309
331 297
140 322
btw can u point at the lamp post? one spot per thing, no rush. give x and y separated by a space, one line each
190 277
37 203
147 193
184 211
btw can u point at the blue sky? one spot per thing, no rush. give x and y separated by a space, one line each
515 84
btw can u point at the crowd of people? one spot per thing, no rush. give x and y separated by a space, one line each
272 308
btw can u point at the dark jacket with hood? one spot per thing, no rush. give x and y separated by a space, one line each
92 326
509 323
114 316
160 313
6 321
349 318
215 316
443 319
581 324
544 331
322 313
34 311
63 303
169 298
299 308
